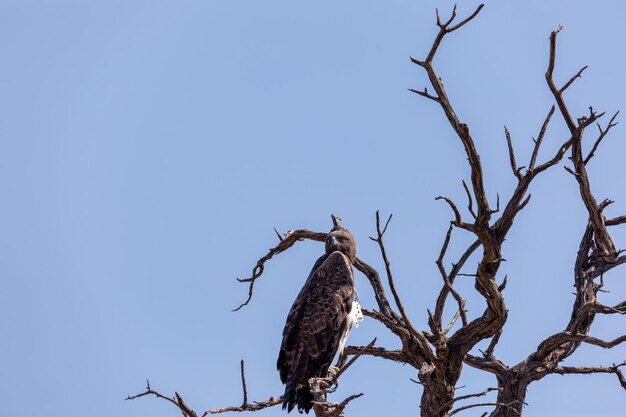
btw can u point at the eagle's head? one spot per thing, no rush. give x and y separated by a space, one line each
341 240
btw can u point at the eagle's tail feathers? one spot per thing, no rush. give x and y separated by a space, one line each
297 394
305 399
290 396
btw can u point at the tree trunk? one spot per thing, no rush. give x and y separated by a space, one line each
511 396
438 395
436 401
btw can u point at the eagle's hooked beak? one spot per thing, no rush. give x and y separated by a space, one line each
333 241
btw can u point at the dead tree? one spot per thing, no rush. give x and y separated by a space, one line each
597 255
439 353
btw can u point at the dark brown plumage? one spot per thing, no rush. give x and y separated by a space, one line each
318 320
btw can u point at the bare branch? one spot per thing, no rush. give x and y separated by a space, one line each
470 204
351 361
327 409
457 214
617 309
607 266
456 269
256 406
280 237
509 142
542 133
392 355
616 221
288 241
426 352
465 397
571 80
479 394
563 337
324 408
445 28
425 94
243 385
465 407
556 159
448 286
568 370
381 245
492 365
176 400
601 136
466 20
377 287
556 92
444 249
494 341
452 322
461 129
604 243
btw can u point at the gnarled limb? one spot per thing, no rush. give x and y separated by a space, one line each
596 255
286 242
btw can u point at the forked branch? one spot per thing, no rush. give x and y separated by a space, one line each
176 400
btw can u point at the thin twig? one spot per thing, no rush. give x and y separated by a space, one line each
542 133
470 203
465 397
176 400
413 331
243 385
353 359
601 136
507 405
425 94
571 80
457 214
509 142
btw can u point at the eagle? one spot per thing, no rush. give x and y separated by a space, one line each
319 321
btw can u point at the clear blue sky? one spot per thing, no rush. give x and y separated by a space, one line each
147 148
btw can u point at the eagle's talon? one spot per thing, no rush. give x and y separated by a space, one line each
332 372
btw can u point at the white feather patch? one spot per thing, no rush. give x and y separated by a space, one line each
354 319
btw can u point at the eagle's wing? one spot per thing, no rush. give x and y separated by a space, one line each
293 319
317 321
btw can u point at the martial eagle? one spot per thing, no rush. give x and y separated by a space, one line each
319 321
